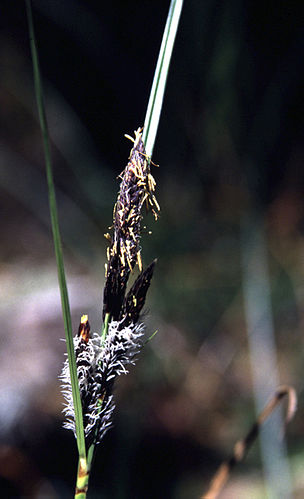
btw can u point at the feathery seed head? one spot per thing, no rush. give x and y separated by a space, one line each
98 365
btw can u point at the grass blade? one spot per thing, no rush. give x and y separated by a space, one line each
56 236
160 76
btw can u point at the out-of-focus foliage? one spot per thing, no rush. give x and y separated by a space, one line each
230 146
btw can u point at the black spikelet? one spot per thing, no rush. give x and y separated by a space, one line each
136 297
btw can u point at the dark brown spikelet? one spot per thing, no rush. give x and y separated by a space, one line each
136 189
136 297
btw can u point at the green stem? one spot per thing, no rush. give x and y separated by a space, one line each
160 76
57 239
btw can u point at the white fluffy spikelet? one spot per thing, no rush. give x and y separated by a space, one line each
85 362
120 348
97 368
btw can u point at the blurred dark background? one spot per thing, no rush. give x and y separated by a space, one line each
230 149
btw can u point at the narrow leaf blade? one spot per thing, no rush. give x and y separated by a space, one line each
56 237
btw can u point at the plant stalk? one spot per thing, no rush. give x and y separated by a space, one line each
56 237
160 76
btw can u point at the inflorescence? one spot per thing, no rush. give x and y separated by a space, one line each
101 359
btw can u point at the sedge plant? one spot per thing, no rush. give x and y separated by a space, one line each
94 361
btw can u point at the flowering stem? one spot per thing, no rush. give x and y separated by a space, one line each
95 362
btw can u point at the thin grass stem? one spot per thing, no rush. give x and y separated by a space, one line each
160 76
56 237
